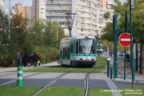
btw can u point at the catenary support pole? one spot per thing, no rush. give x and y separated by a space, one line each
126 30
115 67
132 64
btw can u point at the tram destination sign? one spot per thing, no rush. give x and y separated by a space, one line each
124 39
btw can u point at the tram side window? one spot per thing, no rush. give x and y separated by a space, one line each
65 53
77 48
93 49
71 48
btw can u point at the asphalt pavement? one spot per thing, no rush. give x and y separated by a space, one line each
96 80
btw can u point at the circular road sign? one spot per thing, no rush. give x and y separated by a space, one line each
124 39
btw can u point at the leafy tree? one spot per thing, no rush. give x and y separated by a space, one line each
107 15
137 16
19 36
40 37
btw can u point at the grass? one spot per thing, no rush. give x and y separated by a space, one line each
99 92
99 67
136 91
62 91
16 91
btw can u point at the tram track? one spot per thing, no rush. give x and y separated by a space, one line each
86 81
86 85
57 78
50 83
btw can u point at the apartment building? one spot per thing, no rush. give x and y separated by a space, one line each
38 7
89 19
20 9
102 21
2 4
103 4
86 17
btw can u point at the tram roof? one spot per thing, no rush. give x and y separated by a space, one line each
78 37
66 40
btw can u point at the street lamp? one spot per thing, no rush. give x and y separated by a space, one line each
57 30
70 20
9 29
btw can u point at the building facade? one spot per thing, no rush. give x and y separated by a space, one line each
86 17
103 4
42 9
21 10
88 21
36 7
2 4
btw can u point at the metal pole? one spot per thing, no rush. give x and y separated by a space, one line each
70 33
132 64
126 30
108 50
115 45
134 59
57 30
111 72
108 67
9 22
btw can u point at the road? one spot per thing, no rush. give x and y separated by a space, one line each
96 80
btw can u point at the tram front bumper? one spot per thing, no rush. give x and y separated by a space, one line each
85 62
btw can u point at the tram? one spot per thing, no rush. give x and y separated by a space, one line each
100 48
78 51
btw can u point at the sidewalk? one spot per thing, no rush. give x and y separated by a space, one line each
138 77
15 68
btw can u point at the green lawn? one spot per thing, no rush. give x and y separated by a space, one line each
99 67
99 92
136 91
16 91
62 91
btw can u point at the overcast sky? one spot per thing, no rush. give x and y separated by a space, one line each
13 2
29 2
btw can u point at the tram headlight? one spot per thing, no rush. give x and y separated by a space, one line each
93 59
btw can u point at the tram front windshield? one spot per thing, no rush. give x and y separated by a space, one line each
87 46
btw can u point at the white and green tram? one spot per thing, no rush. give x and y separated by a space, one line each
78 51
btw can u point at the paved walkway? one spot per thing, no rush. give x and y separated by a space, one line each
15 68
138 77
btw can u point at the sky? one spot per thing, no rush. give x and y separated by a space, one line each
29 2
13 2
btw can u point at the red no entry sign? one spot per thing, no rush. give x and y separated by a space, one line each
124 39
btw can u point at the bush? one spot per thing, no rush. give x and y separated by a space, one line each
48 54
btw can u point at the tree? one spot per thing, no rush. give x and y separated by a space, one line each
107 15
138 21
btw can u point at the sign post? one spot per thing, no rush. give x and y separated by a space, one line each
125 41
132 64
126 31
